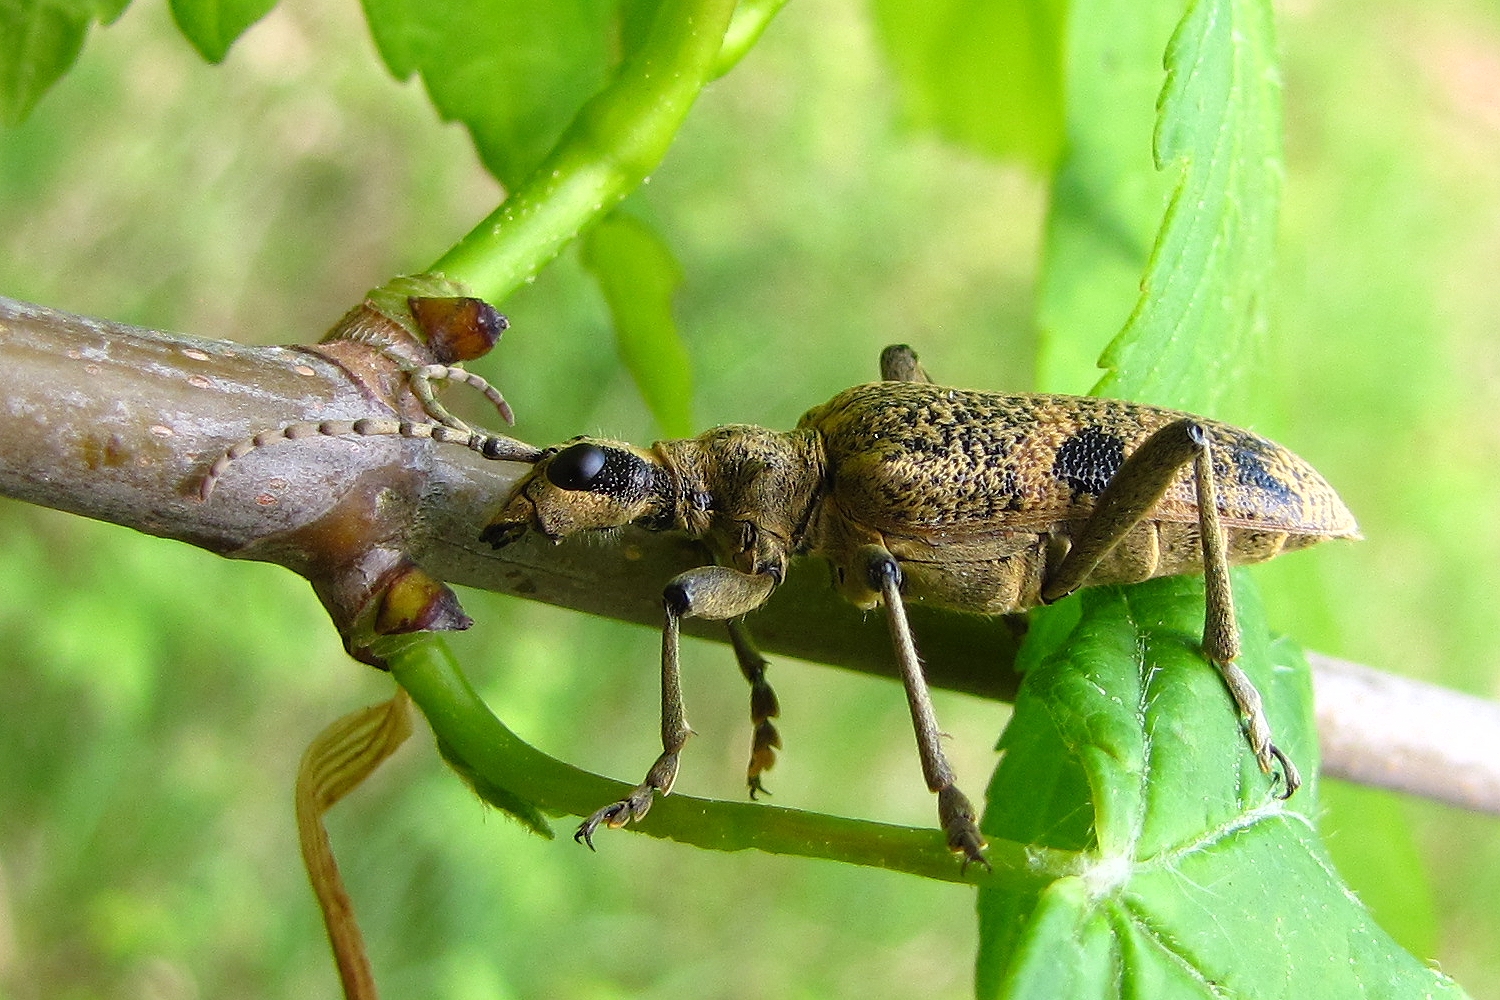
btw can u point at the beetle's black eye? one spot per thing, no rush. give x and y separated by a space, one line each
575 467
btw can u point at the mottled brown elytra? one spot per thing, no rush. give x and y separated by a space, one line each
977 501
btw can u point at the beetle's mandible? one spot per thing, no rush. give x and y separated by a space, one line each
976 501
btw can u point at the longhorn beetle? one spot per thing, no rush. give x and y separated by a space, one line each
975 501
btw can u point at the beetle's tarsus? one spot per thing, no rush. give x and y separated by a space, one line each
956 815
764 739
617 814
763 746
1258 728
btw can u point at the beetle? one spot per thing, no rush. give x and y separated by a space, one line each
980 502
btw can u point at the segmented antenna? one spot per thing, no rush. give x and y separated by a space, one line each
420 380
492 446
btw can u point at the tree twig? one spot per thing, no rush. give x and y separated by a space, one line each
1388 731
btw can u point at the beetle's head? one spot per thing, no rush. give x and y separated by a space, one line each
585 485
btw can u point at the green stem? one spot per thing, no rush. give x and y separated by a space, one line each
751 17
469 730
613 144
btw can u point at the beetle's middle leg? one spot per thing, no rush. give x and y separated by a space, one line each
1136 488
764 740
712 592
955 812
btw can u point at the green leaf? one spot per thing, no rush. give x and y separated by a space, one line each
987 76
1195 880
1373 844
1107 197
39 40
1202 297
751 19
213 25
514 72
639 276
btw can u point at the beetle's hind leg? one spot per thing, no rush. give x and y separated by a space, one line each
1132 493
955 812
764 740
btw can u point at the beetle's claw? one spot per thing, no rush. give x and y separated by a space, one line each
1289 775
616 814
973 852
1272 759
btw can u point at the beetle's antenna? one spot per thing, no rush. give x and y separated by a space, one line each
421 379
493 446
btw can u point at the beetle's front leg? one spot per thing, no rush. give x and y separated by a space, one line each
955 812
1139 484
712 592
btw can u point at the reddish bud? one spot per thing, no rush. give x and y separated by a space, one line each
457 329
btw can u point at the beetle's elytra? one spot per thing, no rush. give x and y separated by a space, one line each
976 501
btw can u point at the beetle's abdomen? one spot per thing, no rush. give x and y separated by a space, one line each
910 458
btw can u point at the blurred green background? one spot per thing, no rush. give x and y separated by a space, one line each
156 699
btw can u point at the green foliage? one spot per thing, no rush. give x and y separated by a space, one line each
213 25
985 75
501 797
1195 881
526 783
1219 123
1202 291
613 142
513 72
639 277
41 40
1107 196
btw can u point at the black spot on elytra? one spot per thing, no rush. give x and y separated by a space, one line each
1088 460
1251 472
